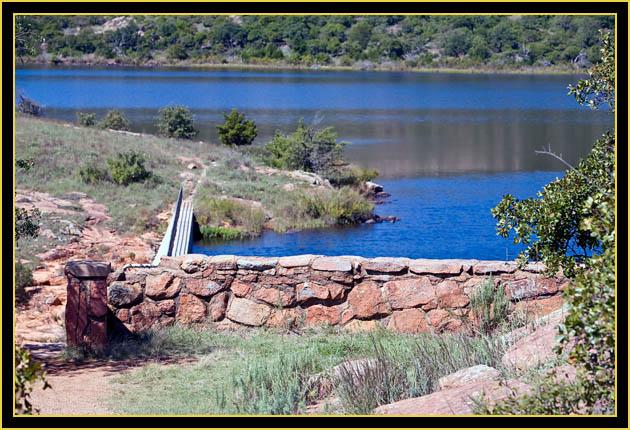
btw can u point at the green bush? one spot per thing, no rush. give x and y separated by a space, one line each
176 121
23 278
92 174
306 149
28 106
26 223
86 119
128 167
577 211
114 120
27 372
237 131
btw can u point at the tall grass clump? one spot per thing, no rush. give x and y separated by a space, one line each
322 209
213 213
490 306
405 370
277 385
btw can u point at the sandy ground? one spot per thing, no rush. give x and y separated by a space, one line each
83 388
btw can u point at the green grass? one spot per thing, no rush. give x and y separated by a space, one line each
266 372
303 207
61 150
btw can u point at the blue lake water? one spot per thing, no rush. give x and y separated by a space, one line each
447 146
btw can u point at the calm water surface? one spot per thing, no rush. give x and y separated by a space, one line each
448 146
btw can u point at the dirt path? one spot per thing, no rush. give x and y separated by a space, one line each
80 388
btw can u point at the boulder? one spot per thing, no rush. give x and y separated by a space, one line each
162 286
203 287
223 262
466 376
437 267
408 321
194 263
256 263
320 314
218 305
144 316
296 261
386 265
167 307
247 312
284 319
240 288
451 295
409 293
332 264
493 267
309 290
454 401
275 297
537 347
123 294
191 309
367 301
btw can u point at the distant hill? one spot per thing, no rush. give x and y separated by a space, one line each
398 42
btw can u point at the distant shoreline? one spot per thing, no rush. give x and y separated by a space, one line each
484 70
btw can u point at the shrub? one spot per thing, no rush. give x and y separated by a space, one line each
305 149
577 211
26 223
23 278
176 121
114 120
92 174
489 306
86 119
27 372
28 106
237 131
128 167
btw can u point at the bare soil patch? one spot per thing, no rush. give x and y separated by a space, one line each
82 388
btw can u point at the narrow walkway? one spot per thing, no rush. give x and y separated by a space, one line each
183 230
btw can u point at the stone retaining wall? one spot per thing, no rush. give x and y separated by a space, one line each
402 294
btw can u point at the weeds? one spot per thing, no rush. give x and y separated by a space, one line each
412 369
221 233
489 306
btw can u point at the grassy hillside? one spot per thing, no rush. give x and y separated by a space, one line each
235 194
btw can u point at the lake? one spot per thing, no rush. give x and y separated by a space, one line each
447 146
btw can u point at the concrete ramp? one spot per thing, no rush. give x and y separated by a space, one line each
178 237
183 231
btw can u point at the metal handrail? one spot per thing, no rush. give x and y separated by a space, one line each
178 206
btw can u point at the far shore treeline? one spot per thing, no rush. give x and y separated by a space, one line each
491 43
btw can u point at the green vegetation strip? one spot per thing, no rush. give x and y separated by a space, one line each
258 371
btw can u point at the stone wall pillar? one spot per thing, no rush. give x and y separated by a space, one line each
86 307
